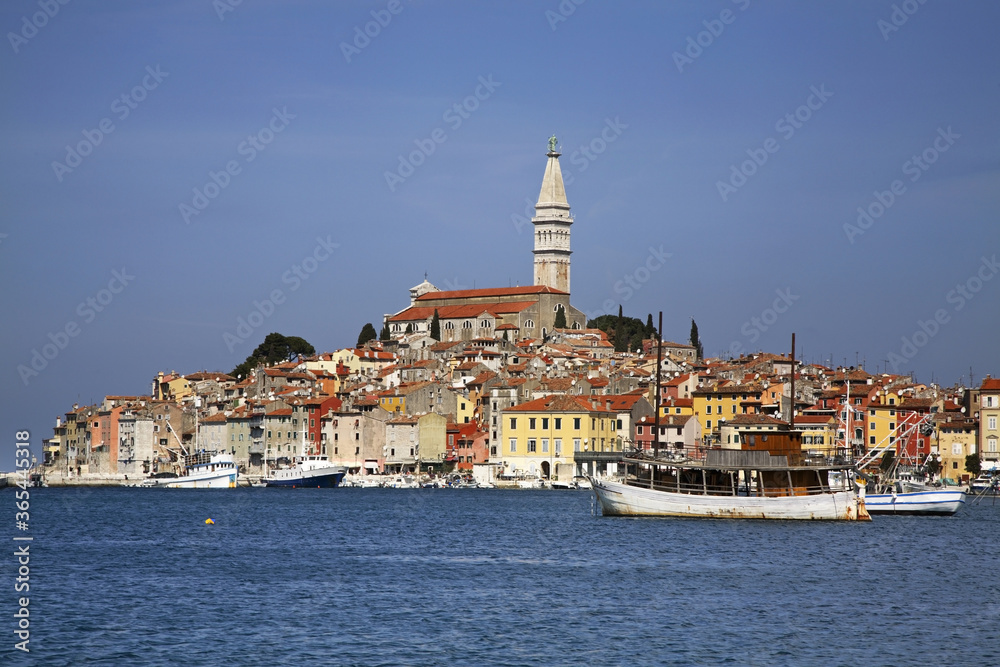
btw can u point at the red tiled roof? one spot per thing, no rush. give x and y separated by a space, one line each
465 311
557 403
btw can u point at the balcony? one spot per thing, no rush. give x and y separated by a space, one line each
256 447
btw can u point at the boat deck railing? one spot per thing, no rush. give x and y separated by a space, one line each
741 489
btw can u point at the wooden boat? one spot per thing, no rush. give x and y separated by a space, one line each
731 484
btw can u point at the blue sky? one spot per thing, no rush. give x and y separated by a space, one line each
739 137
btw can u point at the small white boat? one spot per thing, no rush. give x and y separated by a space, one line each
201 471
910 498
562 484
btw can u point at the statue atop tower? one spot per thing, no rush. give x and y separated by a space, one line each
552 223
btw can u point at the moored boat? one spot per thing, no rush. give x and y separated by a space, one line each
730 484
911 498
310 472
203 470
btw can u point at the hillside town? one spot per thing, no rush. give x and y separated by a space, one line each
515 383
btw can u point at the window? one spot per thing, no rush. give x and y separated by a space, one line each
991 445
463 405
708 424
558 423
558 446
513 424
576 423
956 449
312 423
677 411
269 434
992 421
744 410
545 423
545 445
638 430
467 324
871 426
576 444
513 445
531 445
708 409
990 402
531 423
449 326
529 324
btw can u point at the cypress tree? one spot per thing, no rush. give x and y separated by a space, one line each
695 341
436 326
560 322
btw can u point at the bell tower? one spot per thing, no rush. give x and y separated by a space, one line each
552 222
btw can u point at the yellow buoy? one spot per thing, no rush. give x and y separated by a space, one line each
209 521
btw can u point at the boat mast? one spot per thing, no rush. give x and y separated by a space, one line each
791 419
656 399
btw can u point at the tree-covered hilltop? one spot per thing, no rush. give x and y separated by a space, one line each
625 333
275 348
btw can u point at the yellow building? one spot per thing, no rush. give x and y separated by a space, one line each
712 404
544 437
954 438
672 407
989 420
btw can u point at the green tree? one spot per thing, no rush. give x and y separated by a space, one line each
275 348
650 331
385 335
973 465
367 334
695 341
436 326
560 322
621 330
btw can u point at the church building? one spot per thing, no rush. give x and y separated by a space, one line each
520 312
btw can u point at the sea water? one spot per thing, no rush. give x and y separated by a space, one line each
490 577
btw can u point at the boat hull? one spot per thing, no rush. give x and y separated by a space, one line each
319 480
222 480
618 499
943 503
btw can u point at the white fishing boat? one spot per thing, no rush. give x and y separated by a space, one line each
309 471
203 470
913 498
898 485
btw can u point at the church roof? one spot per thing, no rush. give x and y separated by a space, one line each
461 311
489 292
